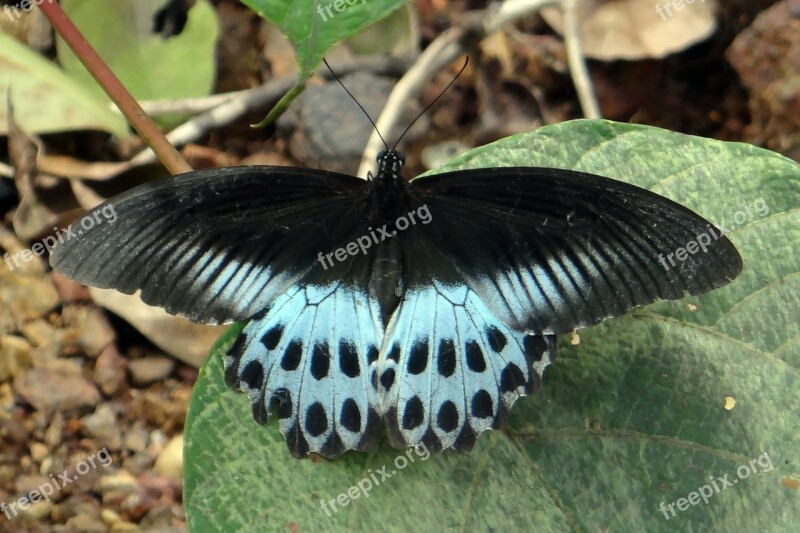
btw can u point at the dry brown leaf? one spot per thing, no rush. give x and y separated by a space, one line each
177 336
637 29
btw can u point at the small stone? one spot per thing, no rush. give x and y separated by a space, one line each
86 524
55 432
139 463
102 426
136 438
170 461
15 356
109 370
110 517
28 296
150 368
38 451
120 481
24 484
51 389
40 332
95 333
36 511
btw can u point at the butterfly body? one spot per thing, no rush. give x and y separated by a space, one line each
426 306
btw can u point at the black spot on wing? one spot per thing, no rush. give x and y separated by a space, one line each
298 445
497 341
272 337
413 414
284 403
418 357
372 354
394 353
320 360
316 420
534 347
387 378
466 439
482 406
253 375
446 358
447 417
292 354
511 378
348 359
333 446
475 360
232 358
350 416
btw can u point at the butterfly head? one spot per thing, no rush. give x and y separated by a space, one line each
390 163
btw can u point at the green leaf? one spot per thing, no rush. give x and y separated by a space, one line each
44 98
314 27
630 418
148 65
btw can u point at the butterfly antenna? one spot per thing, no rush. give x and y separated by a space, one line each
464 66
356 101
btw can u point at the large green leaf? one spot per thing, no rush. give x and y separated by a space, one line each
314 27
44 98
632 417
150 66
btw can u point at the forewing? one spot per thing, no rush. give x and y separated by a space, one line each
214 245
550 250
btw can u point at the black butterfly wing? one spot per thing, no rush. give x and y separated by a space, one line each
244 243
213 245
551 250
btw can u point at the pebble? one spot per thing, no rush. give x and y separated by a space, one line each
170 461
50 389
96 332
38 451
35 511
28 296
136 438
109 370
15 356
86 524
119 482
24 484
110 517
150 368
102 426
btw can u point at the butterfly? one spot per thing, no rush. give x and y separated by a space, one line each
425 306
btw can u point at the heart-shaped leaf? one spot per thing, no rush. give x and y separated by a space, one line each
314 27
681 415
150 65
